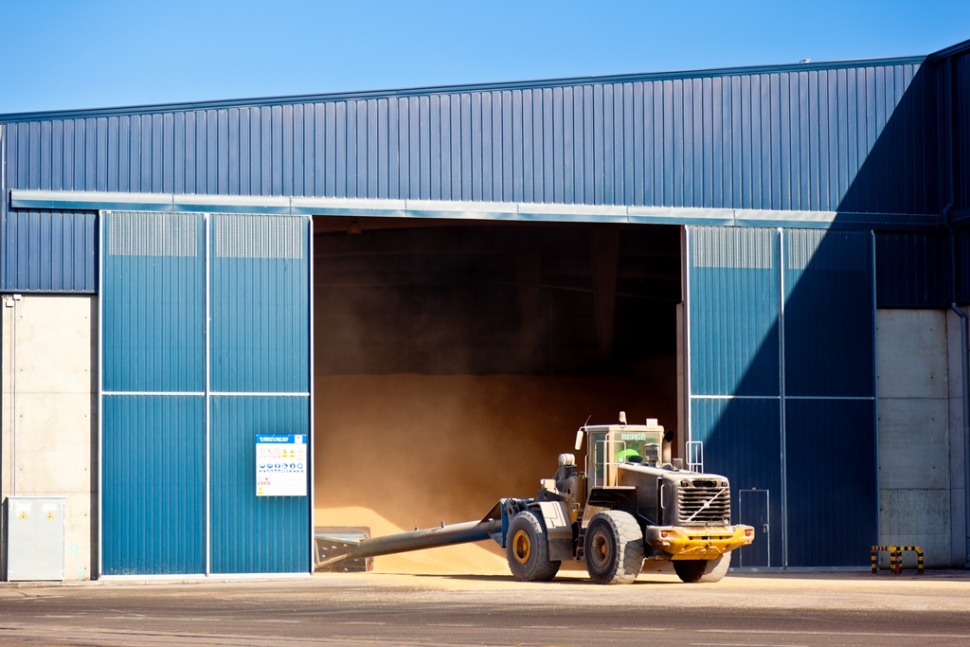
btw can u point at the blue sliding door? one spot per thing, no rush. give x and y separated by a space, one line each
781 385
205 343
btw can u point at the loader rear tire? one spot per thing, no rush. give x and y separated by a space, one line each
706 571
613 548
527 549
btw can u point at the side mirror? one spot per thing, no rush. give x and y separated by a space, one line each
579 440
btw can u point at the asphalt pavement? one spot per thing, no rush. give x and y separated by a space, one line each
750 609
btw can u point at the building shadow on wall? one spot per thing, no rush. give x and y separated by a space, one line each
798 426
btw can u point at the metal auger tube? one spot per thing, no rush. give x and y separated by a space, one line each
459 533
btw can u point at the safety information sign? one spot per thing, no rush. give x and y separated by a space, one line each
281 465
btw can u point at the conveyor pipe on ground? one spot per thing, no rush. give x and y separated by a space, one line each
459 533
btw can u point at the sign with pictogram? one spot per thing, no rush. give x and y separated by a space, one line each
281 465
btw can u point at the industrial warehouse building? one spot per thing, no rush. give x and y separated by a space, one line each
423 293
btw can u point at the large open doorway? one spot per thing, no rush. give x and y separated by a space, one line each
455 359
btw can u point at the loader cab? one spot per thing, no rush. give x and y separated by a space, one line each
609 446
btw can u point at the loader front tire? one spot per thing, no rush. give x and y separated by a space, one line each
527 549
613 548
707 571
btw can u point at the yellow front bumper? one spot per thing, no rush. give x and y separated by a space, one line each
697 543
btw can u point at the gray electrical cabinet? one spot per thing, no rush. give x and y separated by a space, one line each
35 538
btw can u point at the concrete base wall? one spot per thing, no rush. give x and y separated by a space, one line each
958 439
49 410
916 484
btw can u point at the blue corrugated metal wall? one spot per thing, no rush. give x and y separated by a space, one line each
962 242
48 251
750 294
912 270
960 83
164 408
791 139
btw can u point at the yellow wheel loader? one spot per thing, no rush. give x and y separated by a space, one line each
633 509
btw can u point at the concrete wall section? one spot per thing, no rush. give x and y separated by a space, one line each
960 553
49 426
914 432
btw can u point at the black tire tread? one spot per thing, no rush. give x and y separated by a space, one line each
539 568
703 571
629 547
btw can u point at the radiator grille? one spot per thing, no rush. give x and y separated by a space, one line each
703 504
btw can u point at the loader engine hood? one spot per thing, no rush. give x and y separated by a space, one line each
680 497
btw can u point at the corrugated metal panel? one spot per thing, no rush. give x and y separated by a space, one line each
153 302
859 138
911 270
253 534
733 301
153 485
260 304
742 440
831 482
961 125
959 84
829 314
963 266
890 125
51 251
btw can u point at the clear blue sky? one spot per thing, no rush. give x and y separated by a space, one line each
67 54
